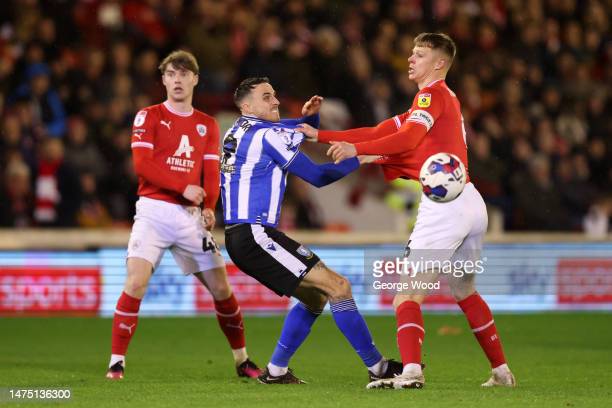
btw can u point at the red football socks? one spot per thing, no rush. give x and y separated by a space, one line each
481 321
124 323
230 321
410 332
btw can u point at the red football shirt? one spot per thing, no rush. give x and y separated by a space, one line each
433 124
169 149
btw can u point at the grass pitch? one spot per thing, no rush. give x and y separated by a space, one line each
560 360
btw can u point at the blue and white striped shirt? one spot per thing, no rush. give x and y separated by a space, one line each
256 154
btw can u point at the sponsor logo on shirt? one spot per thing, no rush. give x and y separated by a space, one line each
422 117
140 118
424 100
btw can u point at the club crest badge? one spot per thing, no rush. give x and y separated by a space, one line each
305 252
201 129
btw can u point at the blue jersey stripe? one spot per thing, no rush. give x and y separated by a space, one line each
253 176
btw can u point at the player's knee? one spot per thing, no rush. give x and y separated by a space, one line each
135 287
220 290
461 293
407 297
340 288
316 301
461 288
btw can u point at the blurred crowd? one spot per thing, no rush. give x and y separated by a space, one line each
534 78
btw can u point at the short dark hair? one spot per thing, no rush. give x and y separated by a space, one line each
246 87
437 41
180 59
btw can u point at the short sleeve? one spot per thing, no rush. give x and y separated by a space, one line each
143 130
282 145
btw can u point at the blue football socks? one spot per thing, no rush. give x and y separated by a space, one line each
351 324
297 326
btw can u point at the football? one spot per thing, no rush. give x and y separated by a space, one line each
443 177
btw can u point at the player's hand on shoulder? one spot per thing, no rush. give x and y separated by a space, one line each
312 106
208 218
368 158
311 133
194 193
340 151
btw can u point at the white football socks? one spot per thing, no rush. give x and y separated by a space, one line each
115 358
379 368
412 369
240 355
276 371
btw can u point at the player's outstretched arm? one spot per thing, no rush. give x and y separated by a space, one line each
356 135
405 139
320 175
312 121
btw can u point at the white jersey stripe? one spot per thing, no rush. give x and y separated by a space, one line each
246 174
255 154
142 144
275 187
277 252
211 157
228 201
397 121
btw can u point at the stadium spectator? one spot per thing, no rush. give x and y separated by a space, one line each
58 191
45 102
16 198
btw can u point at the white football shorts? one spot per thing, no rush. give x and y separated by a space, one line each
451 231
159 225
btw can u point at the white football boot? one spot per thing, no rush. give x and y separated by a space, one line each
412 377
500 377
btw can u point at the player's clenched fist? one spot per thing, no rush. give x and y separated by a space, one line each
194 193
312 134
208 218
340 151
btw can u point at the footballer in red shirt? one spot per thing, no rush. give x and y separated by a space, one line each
174 148
445 232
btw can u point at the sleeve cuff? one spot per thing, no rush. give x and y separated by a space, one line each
324 136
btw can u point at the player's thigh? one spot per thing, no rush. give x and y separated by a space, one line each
269 256
216 282
150 235
195 249
467 263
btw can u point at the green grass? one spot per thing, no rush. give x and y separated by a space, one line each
560 360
